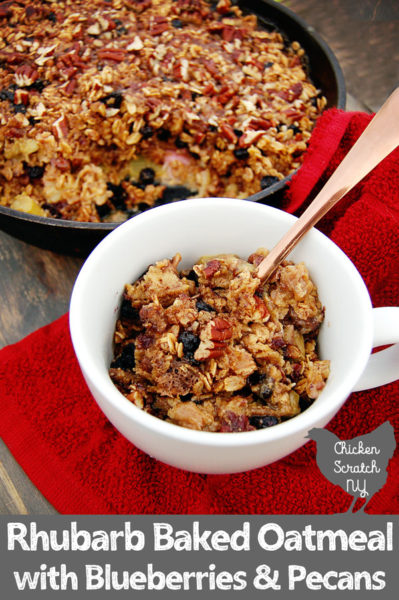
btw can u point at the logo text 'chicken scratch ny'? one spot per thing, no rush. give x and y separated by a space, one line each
357 465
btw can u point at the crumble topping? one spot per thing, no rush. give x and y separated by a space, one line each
213 349
110 107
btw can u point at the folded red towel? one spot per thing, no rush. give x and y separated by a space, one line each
83 465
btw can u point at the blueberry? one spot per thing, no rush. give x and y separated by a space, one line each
314 100
34 172
255 377
143 206
305 402
177 192
39 85
193 277
146 131
119 195
177 24
180 144
112 100
295 129
139 185
266 388
244 391
121 29
126 359
201 305
241 153
147 176
267 181
8 94
263 422
163 135
190 342
268 65
128 311
103 210
19 108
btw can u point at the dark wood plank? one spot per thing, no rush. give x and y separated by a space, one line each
18 495
35 287
363 35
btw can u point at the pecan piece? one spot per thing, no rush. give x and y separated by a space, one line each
115 54
209 349
261 307
250 137
60 127
228 132
211 268
21 97
5 10
25 75
221 330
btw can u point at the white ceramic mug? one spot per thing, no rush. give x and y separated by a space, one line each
211 226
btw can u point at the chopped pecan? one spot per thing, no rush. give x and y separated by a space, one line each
260 123
159 28
14 132
292 93
61 164
250 137
221 329
13 58
228 133
60 127
5 10
209 349
25 75
21 97
261 307
115 54
70 87
231 33
211 268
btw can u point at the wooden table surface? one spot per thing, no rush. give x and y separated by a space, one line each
36 284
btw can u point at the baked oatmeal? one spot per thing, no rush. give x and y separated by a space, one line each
110 107
214 349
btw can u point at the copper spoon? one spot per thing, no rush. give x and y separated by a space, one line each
378 140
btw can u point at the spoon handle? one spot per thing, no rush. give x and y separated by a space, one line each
378 140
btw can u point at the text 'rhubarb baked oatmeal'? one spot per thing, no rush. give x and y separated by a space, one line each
110 107
213 349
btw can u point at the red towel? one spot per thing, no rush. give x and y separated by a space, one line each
82 465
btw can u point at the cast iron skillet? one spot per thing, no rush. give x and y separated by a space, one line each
77 238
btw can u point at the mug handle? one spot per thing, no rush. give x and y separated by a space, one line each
383 366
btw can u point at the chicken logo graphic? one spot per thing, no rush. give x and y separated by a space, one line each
357 465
